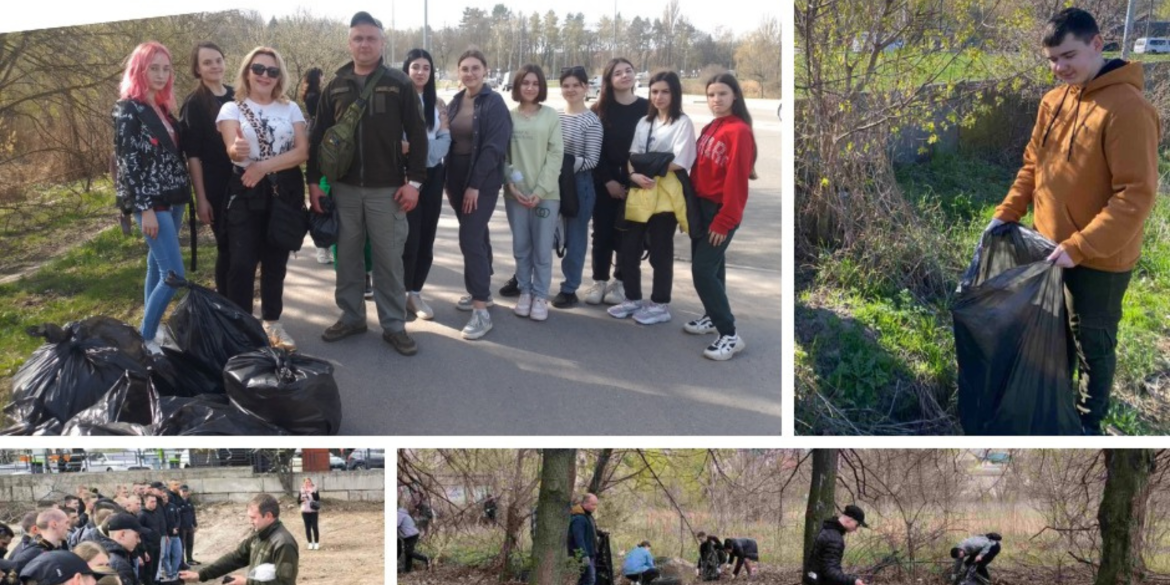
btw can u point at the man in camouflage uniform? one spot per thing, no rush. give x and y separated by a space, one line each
270 543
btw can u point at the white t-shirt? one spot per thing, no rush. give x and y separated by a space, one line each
277 120
677 137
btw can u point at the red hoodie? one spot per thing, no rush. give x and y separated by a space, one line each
727 152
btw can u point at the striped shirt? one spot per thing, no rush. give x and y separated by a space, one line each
582 133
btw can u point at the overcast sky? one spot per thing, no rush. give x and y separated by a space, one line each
741 16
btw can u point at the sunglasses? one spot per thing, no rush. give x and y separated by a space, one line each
574 69
258 70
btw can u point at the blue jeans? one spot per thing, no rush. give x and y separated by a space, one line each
532 243
163 256
172 556
577 234
588 573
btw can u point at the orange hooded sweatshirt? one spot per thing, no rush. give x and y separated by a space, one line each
1091 170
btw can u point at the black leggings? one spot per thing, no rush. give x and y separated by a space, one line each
409 555
419 253
312 533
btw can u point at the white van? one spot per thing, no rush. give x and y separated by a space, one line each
1152 45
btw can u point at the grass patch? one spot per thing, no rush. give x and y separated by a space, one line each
862 339
50 219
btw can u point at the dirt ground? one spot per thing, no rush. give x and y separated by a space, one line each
352 539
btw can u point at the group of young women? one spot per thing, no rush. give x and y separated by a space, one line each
244 146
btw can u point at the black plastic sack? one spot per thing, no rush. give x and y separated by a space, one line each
293 391
74 369
132 400
324 227
208 415
1012 339
211 329
175 374
604 566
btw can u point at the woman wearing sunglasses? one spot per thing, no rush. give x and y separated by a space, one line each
151 178
264 134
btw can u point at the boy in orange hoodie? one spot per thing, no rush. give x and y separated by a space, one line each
1090 174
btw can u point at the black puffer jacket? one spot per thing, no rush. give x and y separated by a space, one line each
155 523
151 170
120 559
827 551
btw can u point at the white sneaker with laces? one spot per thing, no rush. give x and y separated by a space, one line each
539 310
420 308
724 348
596 292
652 313
523 305
615 293
625 309
479 324
324 256
701 326
278 337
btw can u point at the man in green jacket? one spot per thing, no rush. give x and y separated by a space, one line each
270 544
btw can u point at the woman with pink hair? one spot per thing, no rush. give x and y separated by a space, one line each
151 179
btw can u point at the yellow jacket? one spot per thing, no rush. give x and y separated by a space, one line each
666 197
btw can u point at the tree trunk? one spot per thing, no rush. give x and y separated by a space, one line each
595 486
513 518
1122 515
558 474
822 498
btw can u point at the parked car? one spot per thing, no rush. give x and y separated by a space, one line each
336 462
366 459
99 462
1152 45
594 90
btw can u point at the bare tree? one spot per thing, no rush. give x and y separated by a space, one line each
558 474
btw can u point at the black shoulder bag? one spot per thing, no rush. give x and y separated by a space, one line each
288 222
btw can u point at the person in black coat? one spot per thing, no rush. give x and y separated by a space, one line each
119 536
829 547
740 551
188 522
711 557
154 524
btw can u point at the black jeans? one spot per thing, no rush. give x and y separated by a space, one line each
149 570
188 535
709 270
312 532
409 555
216 192
247 227
474 239
419 254
606 239
1094 306
660 230
645 577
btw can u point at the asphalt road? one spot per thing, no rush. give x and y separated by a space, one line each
579 373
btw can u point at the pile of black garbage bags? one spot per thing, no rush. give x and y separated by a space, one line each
218 376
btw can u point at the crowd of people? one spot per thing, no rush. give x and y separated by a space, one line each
631 165
143 534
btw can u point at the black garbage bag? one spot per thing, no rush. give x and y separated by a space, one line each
131 401
604 560
208 414
174 373
324 227
1012 339
293 391
115 429
49 428
74 369
211 329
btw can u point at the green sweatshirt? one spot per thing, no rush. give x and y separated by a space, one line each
537 150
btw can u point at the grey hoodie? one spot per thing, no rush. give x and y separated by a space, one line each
406 528
977 545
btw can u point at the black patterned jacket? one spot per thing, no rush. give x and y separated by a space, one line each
151 170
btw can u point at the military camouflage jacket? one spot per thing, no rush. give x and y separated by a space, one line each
273 545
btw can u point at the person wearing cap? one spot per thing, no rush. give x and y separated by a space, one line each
829 547
52 528
380 187
120 535
270 543
154 524
59 567
977 551
638 565
188 523
740 551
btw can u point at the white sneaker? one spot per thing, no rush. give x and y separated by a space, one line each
539 310
479 324
615 293
523 305
324 256
652 313
464 303
278 337
701 326
420 308
153 347
595 293
625 309
724 348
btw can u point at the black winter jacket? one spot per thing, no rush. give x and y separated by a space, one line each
825 562
393 110
120 559
25 556
187 513
174 511
155 524
491 130
151 170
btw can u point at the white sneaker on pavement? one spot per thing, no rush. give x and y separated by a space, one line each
596 292
615 293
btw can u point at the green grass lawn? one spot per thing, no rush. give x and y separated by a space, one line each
883 357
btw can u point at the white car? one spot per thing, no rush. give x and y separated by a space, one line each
1152 45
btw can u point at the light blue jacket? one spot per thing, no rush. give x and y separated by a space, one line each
638 561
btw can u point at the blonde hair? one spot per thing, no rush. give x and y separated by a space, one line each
89 549
244 87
